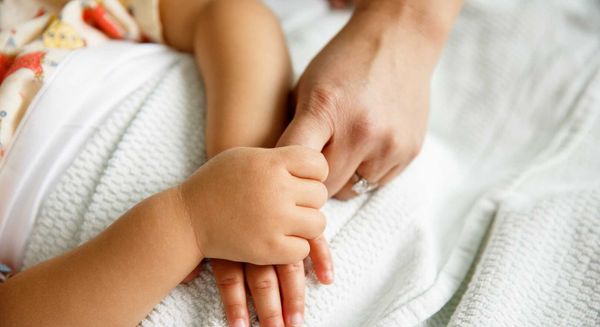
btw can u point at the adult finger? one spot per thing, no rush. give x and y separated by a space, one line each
392 174
321 259
373 171
229 276
343 161
292 283
191 276
304 162
264 286
310 193
306 129
307 223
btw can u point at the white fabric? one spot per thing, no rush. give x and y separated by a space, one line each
514 136
62 117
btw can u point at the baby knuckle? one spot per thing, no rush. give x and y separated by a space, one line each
321 224
323 165
294 150
316 161
271 243
254 163
274 160
323 194
283 211
303 251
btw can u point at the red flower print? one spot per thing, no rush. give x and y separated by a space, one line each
5 62
40 12
99 18
31 61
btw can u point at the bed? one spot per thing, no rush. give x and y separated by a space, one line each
496 223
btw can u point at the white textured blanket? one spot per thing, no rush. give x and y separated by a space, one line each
514 140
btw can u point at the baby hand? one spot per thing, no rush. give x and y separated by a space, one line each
258 205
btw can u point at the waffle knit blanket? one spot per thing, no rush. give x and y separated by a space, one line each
496 223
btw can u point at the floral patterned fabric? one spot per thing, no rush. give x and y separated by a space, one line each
35 35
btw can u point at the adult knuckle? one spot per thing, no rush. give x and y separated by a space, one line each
264 284
229 281
413 149
271 317
293 268
322 104
323 98
391 144
236 310
295 301
365 126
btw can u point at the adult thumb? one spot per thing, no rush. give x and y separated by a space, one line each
307 130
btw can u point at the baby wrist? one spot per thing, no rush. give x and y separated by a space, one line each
179 209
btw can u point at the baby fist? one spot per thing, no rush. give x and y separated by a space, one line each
258 205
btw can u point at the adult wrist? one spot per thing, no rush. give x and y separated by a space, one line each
431 19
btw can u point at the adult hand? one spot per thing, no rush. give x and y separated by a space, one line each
363 100
277 291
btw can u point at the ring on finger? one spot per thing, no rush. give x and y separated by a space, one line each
361 185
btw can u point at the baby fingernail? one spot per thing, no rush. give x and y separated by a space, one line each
296 319
239 323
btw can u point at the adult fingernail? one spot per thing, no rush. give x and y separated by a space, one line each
296 319
328 276
239 323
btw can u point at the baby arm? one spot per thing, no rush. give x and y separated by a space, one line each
243 59
252 205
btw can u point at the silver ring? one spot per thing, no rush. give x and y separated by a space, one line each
362 185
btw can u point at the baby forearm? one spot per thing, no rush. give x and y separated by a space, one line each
244 62
113 280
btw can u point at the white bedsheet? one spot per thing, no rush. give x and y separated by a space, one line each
59 121
514 110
